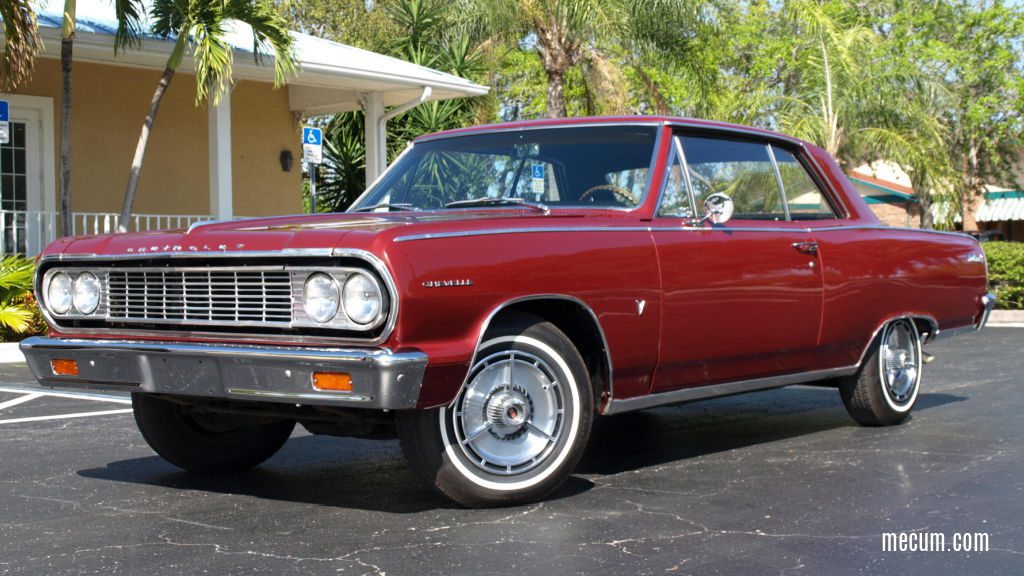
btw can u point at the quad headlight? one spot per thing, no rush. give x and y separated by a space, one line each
73 292
342 298
321 298
362 298
60 293
86 293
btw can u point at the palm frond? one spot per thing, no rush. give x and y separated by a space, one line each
15 318
129 24
21 43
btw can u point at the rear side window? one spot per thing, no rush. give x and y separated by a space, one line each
742 170
805 199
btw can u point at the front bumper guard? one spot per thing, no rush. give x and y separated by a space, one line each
381 379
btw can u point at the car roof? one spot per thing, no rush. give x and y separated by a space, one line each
609 120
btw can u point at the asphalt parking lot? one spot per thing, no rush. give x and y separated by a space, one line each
774 482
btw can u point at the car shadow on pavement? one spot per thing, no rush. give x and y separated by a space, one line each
637 440
372 475
319 470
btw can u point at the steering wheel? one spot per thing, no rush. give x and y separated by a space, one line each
615 190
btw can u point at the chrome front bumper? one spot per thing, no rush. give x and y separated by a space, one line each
380 378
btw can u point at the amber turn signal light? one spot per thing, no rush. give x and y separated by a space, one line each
335 381
64 367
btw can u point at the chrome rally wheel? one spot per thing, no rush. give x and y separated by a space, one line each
886 386
516 429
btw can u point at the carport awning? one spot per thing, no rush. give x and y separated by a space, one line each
1001 207
332 77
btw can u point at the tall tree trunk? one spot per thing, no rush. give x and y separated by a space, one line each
924 199
140 148
661 107
65 136
556 93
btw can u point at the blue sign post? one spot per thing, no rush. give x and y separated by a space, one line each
5 122
312 154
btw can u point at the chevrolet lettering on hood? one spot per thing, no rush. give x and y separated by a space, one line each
499 289
180 248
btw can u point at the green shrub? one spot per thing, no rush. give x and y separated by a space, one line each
1006 273
19 315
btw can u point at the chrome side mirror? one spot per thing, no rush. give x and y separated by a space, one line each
718 208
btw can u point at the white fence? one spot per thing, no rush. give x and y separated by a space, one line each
28 232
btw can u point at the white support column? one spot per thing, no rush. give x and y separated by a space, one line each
376 138
221 202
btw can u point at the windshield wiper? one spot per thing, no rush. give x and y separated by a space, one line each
405 207
503 201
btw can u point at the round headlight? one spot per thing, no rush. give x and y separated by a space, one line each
362 298
320 297
86 293
59 293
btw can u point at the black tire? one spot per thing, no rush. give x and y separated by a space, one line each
516 419
874 396
209 443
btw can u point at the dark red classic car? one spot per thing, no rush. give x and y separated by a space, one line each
500 287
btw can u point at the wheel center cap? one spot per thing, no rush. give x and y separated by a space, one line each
508 410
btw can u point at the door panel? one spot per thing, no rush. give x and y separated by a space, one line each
738 303
740 300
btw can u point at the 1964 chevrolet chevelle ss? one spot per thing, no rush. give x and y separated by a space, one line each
500 287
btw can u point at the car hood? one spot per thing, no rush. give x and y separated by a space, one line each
292 233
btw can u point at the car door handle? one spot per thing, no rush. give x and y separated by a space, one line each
809 248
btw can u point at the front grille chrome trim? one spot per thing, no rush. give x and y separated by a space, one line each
206 329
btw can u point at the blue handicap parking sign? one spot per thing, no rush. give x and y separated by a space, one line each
538 171
5 111
312 136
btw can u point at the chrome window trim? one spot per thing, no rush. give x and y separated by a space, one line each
778 181
798 145
96 261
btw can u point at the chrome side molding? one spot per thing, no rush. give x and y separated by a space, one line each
619 406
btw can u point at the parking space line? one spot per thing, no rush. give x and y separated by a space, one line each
74 395
20 400
61 416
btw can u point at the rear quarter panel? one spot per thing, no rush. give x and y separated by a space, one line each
874 273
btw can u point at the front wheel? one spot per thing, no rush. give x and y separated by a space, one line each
885 388
517 428
203 442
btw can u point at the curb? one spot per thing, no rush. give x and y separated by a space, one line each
10 354
1000 317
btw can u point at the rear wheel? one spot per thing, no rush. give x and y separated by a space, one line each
884 390
518 427
203 442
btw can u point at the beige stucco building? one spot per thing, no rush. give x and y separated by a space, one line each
203 161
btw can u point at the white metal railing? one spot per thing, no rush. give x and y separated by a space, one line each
28 232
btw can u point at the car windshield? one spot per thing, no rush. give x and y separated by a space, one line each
593 167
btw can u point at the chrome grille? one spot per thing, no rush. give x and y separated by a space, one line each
200 295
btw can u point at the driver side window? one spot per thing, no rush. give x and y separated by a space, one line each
741 170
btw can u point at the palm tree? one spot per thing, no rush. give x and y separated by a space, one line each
569 33
21 42
129 26
842 95
200 26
